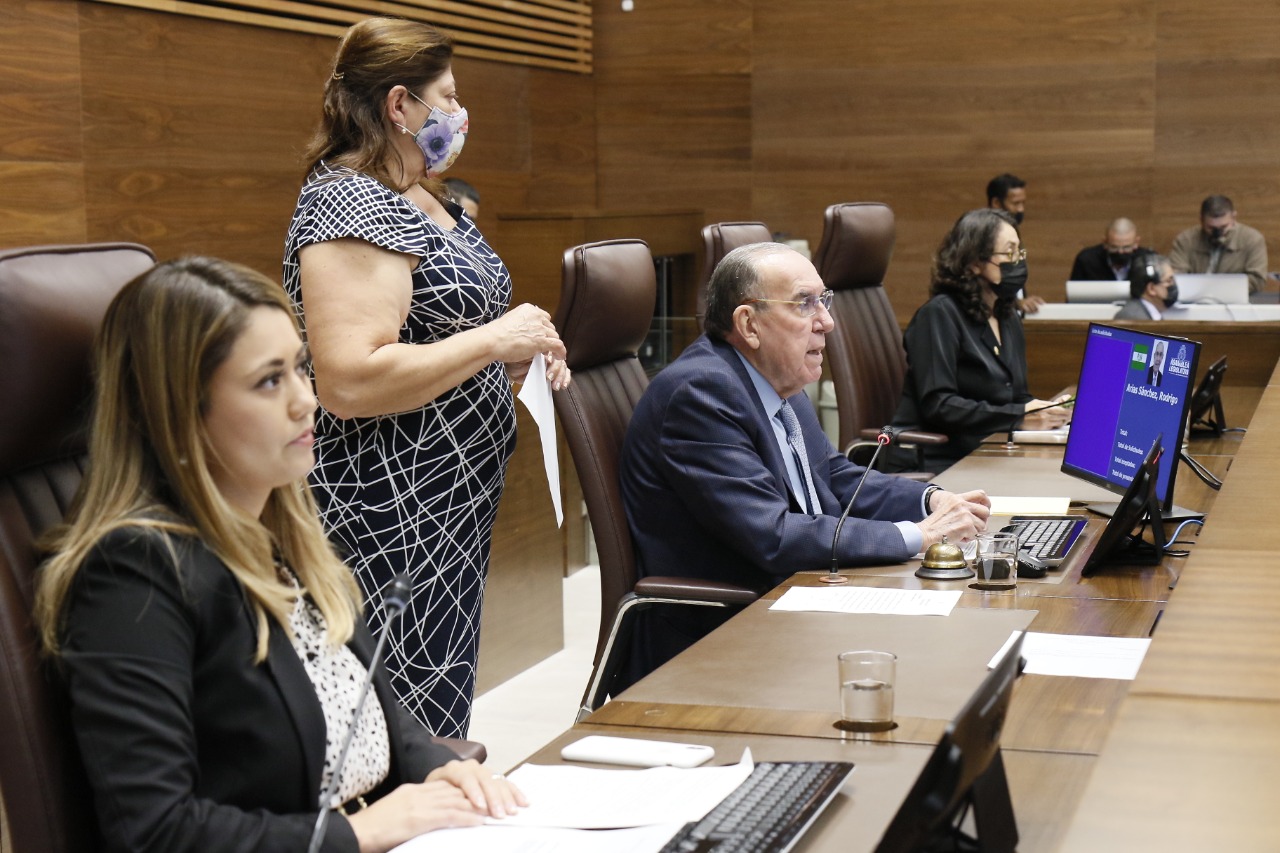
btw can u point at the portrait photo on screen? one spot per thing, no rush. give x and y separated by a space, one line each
1134 389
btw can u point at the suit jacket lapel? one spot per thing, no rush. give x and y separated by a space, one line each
299 697
766 443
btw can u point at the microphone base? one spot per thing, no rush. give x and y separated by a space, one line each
945 574
833 579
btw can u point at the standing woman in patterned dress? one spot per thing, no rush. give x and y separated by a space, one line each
414 351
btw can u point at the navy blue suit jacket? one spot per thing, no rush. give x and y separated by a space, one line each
706 488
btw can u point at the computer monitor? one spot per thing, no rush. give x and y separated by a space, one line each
1134 387
1208 397
965 769
1138 507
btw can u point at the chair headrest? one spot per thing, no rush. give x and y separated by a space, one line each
52 299
857 243
606 301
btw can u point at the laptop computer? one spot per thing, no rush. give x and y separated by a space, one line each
1097 291
1223 288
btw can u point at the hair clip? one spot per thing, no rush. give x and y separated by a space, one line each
338 75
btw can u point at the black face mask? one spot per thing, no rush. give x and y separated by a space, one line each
1170 296
1017 217
1217 236
1013 277
1119 259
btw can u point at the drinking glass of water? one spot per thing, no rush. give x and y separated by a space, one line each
866 690
996 562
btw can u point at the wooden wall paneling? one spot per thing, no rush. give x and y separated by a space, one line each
40 128
523 617
673 106
562 115
194 152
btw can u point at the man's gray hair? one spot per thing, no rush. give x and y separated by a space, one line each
735 280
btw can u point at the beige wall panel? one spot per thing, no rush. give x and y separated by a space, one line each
42 203
40 67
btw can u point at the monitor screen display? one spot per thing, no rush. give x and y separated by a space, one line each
1134 388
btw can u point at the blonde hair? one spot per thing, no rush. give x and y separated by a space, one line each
163 337
374 56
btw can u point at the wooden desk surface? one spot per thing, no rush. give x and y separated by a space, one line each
883 775
1184 774
774 673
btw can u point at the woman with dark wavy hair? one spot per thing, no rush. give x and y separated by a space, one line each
966 355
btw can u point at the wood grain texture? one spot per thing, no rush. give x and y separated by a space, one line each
1182 774
40 99
42 203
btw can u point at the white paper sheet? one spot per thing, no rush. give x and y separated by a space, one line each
536 396
1012 505
589 798
541 839
1082 657
861 599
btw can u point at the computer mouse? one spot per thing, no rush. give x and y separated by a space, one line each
1030 566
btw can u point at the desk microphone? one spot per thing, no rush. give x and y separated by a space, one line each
394 602
884 437
1009 444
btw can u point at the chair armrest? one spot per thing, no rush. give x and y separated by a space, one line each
908 436
694 589
464 749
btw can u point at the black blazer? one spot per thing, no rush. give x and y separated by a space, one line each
956 383
1092 265
189 745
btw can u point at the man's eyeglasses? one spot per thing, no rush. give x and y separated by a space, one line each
1014 255
808 306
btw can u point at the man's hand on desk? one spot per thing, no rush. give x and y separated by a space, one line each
959 517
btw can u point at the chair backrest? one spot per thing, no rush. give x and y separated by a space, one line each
52 299
868 363
606 309
718 240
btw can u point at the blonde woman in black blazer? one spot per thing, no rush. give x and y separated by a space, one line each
210 640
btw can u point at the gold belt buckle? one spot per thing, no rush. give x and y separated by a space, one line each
352 806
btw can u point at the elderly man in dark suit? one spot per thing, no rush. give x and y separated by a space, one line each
726 473
1110 259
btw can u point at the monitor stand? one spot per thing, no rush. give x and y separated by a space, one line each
1173 513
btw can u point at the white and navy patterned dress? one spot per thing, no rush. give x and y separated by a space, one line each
417 491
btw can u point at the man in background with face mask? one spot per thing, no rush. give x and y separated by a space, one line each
1110 259
1221 245
1151 288
1009 193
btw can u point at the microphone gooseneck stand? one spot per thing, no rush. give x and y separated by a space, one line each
393 604
834 576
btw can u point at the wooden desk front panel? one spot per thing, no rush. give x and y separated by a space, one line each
1055 348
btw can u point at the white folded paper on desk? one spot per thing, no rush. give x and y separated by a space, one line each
1082 657
588 798
1014 505
865 599
541 839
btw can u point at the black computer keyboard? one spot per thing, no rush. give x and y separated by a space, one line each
768 812
1048 538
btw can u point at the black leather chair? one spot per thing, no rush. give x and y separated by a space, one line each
52 299
867 361
718 240
606 307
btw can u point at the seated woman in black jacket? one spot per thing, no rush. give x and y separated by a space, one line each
966 355
211 641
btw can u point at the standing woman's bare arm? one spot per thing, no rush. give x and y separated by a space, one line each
356 297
